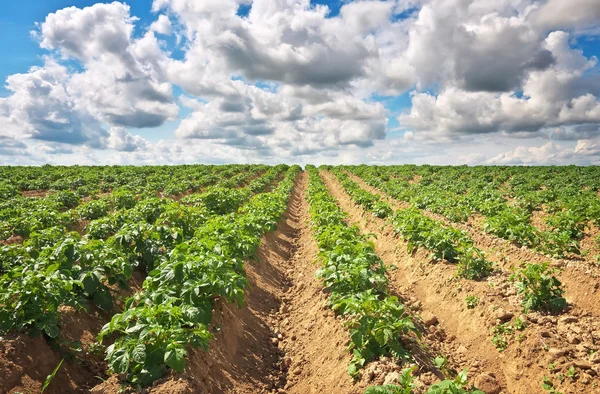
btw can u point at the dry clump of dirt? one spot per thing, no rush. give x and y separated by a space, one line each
522 366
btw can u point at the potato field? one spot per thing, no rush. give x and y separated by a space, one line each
277 279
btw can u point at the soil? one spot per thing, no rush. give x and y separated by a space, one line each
35 193
16 239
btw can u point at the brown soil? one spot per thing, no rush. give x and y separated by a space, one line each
16 239
590 243
26 361
538 220
79 226
35 193
565 340
581 279
415 179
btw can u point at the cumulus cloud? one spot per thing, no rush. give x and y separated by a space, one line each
123 82
579 15
162 25
289 79
585 152
562 95
12 147
479 46
120 140
40 107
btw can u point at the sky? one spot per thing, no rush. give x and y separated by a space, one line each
480 82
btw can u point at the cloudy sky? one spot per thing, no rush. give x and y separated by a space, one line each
379 82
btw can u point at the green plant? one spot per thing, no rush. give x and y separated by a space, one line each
456 386
472 264
572 373
540 289
406 386
549 386
472 301
93 209
50 377
499 336
519 324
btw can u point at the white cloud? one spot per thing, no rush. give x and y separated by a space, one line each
544 154
562 95
120 140
40 107
585 152
289 80
579 15
476 46
123 82
162 25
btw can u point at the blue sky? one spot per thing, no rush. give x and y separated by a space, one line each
17 18
401 93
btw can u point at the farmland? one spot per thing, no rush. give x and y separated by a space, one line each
278 279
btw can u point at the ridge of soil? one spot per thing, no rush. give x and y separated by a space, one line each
565 341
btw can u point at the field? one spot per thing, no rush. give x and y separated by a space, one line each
273 279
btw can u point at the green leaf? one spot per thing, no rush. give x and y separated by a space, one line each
139 353
90 284
120 361
175 357
51 330
103 299
51 376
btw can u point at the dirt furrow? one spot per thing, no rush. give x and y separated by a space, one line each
313 339
285 339
581 280
518 369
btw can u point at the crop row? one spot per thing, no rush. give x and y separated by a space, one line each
64 208
506 202
174 309
84 181
356 278
55 268
443 243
